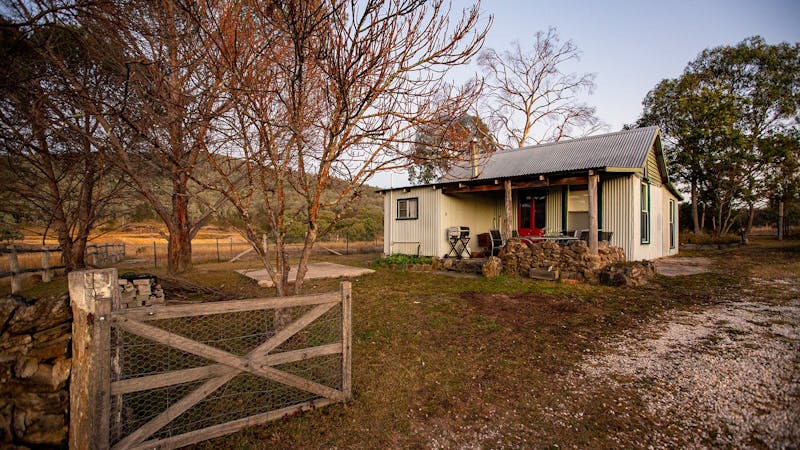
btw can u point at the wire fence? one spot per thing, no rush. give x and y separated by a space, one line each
166 376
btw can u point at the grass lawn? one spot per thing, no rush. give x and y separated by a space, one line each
440 362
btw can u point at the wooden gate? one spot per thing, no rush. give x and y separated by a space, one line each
169 376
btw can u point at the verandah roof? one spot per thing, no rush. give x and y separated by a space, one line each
623 149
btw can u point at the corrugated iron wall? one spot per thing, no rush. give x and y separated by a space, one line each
553 211
405 236
619 213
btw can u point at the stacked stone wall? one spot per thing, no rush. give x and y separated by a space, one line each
566 261
35 339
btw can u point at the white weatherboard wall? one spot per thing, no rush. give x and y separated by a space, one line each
404 236
659 221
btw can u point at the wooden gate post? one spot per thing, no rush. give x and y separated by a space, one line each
91 293
347 340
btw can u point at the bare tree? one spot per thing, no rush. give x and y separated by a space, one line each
333 94
530 99
54 173
158 122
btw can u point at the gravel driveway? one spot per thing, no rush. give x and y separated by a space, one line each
723 376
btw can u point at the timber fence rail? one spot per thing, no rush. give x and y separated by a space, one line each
169 376
14 264
105 254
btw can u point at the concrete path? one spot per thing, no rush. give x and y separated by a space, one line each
674 267
315 271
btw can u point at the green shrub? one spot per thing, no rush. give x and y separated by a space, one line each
704 239
404 260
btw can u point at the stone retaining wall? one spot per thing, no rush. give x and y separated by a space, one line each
34 369
550 260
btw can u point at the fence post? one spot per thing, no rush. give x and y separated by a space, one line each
46 274
91 293
347 340
13 265
218 260
155 256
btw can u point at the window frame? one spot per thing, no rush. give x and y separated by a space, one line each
672 228
416 209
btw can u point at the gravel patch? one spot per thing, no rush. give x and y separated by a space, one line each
676 267
727 376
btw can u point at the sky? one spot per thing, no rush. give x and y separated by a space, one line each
629 45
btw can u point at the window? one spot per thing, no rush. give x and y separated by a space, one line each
645 207
672 229
407 209
578 208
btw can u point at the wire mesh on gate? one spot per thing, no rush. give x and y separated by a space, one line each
238 333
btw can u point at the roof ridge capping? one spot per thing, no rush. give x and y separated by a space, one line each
584 138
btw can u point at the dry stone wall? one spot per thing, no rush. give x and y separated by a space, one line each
550 260
34 369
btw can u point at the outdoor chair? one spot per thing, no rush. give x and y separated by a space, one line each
496 240
601 235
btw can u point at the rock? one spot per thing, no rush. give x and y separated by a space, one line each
492 268
48 402
26 367
52 349
7 307
544 274
41 315
6 419
19 345
40 429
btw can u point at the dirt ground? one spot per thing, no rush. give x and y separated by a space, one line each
722 374
727 376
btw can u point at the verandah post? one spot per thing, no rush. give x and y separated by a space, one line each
593 228
508 205
91 294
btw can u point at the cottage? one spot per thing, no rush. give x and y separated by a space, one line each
613 184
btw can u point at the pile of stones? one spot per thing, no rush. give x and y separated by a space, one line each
550 260
138 290
35 365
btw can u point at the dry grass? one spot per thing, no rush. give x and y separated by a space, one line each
440 362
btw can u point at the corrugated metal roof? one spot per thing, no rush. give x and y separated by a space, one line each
624 149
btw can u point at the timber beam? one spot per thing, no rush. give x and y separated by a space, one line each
542 181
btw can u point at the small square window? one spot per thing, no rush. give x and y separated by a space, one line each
407 209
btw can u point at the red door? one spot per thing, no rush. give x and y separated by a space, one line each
531 213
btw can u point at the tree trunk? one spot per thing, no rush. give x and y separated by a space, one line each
750 216
302 266
780 219
695 215
703 219
179 243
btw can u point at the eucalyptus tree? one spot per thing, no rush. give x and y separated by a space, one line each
439 145
721 117
530 99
